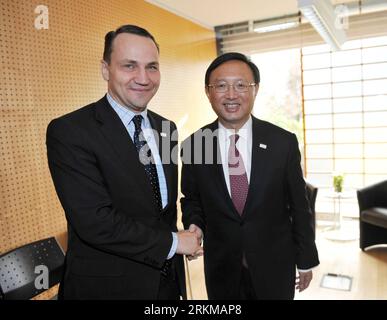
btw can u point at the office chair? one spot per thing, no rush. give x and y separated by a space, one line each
30 269
372 202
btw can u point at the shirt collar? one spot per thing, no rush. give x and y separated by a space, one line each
126 115
244 132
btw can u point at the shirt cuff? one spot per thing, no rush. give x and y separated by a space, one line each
174 246
306 270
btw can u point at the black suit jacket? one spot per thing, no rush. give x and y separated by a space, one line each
117 238
275 231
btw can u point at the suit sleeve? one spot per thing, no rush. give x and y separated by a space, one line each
89 210
192 212
306 255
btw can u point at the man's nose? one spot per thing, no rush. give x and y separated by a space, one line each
142 76
231 93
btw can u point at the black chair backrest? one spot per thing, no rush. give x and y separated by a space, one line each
23 269
374 195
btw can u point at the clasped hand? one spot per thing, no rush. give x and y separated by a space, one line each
189 242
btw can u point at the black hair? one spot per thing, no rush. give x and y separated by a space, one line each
128 28
228 57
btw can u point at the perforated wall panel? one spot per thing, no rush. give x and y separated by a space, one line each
50 72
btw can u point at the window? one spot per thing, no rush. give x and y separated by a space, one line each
279 96
345 107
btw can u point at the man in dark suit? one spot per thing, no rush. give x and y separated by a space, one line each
244 192
112 169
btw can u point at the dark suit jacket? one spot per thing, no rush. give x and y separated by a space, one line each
275 231
117 238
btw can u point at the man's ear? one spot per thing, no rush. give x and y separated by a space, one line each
207 92
105 70
256 89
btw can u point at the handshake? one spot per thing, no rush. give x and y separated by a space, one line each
189 242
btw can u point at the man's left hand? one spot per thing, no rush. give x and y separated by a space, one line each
303 280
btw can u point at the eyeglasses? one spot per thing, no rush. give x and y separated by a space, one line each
223 87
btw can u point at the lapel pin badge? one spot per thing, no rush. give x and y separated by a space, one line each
263 146
163 134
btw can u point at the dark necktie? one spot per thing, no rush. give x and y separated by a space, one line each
146 158
239 184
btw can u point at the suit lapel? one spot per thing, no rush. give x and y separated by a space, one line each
219 173
162 141
258 156
118 138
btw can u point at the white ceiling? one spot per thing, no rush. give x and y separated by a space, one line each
211 13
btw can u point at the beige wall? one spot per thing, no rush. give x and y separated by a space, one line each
46 73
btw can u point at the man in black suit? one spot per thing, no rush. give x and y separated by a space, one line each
244 192
113 172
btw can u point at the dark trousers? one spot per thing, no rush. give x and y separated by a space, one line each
169 287
246 288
